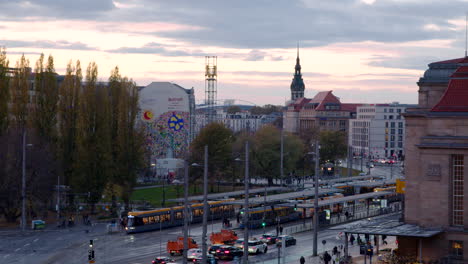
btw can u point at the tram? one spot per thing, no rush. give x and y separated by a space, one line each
141 221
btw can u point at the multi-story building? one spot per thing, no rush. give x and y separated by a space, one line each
241 121
436 153
378 130
324 111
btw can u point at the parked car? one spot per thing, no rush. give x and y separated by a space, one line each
194 251
270 239
239 243
228 252
162 260
289 241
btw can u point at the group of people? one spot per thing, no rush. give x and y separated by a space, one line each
367 240
327 258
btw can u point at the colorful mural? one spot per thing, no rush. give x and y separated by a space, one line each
170 130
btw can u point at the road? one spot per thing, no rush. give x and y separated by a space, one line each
71 245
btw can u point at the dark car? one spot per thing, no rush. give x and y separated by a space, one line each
290 241
270 239
210 259
213 248
228 252
162 260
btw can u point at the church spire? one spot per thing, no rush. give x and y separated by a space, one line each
297 84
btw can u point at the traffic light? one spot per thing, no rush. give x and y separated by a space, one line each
263 223
242 212
295 207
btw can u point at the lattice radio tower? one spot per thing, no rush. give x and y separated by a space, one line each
211 75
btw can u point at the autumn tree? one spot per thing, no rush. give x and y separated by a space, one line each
267 152
4 91
219 139
46 100
332 145
68 109
233 109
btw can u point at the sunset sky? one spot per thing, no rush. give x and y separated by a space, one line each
366 51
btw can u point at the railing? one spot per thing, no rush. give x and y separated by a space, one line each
339 219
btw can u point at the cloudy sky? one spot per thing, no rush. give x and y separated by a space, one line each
369 51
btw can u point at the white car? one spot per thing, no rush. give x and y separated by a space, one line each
256 247
193 252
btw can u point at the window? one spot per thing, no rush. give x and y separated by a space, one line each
400 125
391 110
456 248
385 110
386 124
392 144
400 131
392 138
392 131
400 138
322 123
390 117
392 125
398 117
384 117
398 110
400 144
342 123
457 189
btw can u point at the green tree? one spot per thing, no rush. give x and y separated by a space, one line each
20 93
332 145
266 152
4 91
219 140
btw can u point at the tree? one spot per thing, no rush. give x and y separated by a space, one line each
4 91
219 140
233 109
93 162
46 100
68 110
265 110
267 152
332 145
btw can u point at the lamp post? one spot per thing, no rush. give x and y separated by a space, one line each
205 205
245 257
186 177
23 185
317 160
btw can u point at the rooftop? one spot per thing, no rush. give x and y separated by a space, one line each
391 226
455 98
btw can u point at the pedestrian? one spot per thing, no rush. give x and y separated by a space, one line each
383 240
238 218
281 229
359 240
347 215
326 257
335 250
277 230
302 260
351 239
376 240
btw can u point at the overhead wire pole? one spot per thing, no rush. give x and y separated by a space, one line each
186 217
23 186
245 257
282 158
317 159
205 205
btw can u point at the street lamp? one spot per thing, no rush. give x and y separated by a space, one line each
315 219
23 187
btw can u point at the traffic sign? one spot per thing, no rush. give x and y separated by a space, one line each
400 186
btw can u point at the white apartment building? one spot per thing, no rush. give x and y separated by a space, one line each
378 130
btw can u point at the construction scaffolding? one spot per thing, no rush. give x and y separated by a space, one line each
211 75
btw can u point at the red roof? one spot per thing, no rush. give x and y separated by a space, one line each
350 107
459 60
455 98
323 98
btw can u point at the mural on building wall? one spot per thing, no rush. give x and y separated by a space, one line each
169 131
165 113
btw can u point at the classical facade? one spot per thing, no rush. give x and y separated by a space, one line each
324 111
378 130
436 153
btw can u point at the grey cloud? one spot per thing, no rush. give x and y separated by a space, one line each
159 49
45 44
